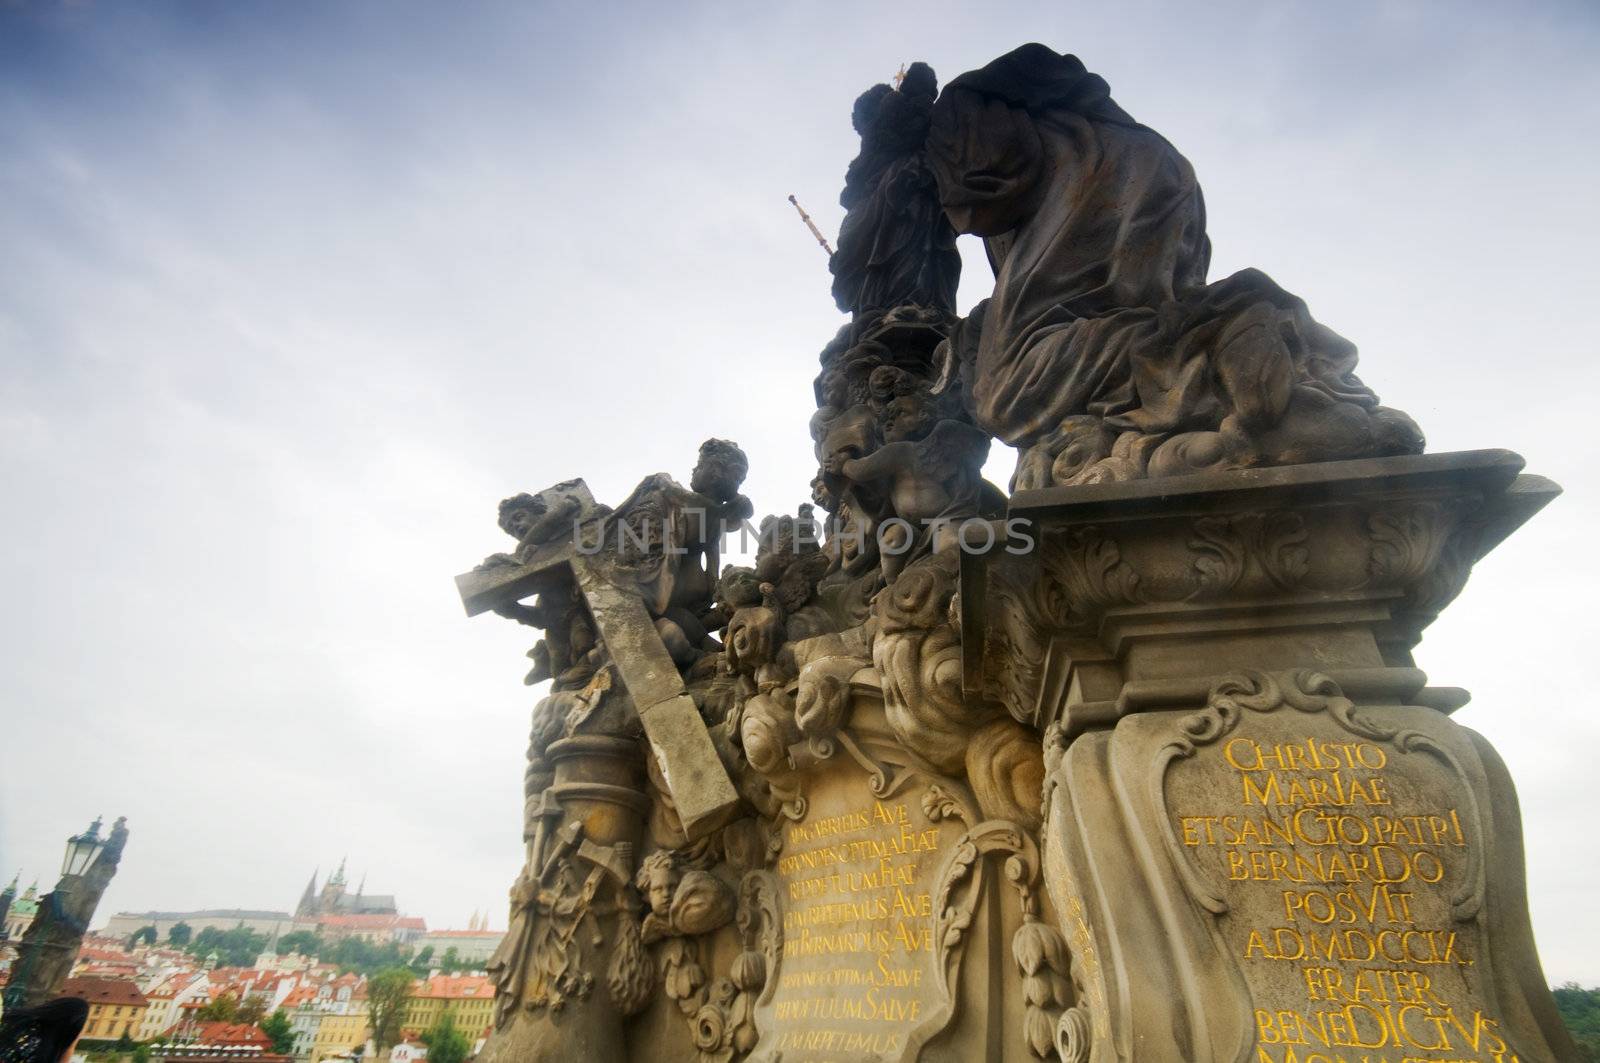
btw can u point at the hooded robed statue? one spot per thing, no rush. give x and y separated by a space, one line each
1103 353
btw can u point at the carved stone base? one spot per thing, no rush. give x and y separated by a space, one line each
1265 837
558 994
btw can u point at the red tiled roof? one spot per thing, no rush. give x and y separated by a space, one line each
299 996
180 981
456 986
113 955
231 1033
104 991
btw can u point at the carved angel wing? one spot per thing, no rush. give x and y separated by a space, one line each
952 449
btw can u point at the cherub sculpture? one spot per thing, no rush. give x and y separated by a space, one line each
666 540
682 902
553 514
930 464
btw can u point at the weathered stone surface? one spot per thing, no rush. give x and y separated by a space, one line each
901 908
1230 680
1103 353
859 972
1131 587
1134 765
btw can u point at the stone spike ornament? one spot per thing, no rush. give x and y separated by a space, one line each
1130 763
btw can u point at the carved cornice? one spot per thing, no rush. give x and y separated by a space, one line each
1389 542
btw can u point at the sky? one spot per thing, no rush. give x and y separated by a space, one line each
294 294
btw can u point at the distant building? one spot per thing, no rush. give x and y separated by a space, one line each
216 1042
20 916
408 1051
231 1035
124 924
467 998
309 1007
339 1034
473 945
372 928
333 900
325 911
168 999
116 1007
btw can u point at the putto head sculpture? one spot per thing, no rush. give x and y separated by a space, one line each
720 471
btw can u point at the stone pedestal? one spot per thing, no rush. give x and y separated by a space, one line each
567 909
1264 837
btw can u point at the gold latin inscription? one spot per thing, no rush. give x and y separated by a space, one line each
858 951
1340 865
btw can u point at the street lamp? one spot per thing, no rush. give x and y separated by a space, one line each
82 850
51 943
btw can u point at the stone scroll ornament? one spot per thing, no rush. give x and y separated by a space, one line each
1104 353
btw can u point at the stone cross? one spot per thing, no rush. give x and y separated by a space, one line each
695 776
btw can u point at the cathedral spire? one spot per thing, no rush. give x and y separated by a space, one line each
308 899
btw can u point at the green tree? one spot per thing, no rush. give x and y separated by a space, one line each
423 957
141 1054
305 942
446 1043
251 1011
387 993
238 947
363 957
1580 1010
124 1043
224 1008
451 962
277 1027
180 934
146 934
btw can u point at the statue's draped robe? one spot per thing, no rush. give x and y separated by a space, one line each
895 245
1101 305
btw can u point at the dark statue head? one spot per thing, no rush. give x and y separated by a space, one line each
822 494
895 119
905 406
721 470
738 587
865 110
984 146
519 513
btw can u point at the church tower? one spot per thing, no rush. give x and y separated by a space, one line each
308 899
332 891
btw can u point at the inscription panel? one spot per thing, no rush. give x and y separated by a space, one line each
1348 871
858 969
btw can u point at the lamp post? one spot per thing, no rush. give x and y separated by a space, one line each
81 851
50 946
